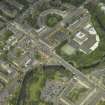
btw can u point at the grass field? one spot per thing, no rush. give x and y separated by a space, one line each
76 93
52 20
67 49
35 88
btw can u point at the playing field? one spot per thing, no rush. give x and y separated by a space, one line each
67 49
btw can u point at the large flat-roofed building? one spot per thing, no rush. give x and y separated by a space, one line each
86 40
80 38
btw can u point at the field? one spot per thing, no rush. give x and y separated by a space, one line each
35 88
67 49
76 93
74 2
101 102
52 20
3 38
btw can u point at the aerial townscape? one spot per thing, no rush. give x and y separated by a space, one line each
52 52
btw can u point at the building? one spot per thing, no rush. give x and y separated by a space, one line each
86 40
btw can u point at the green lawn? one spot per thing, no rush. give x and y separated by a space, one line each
6 35
52 20
57 76
76 93
35 88
102 1
101 102
67 49
2 44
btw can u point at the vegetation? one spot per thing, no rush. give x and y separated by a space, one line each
6 35
13 99
102 1
101 102
53 19
4 38
31 88
19 52
67 49
37 55
76 93
32 19
1 44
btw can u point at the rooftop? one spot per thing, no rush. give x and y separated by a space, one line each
86 40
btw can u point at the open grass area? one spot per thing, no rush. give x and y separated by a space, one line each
67 49
52 20
35 87
75 94
6 35
101 102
